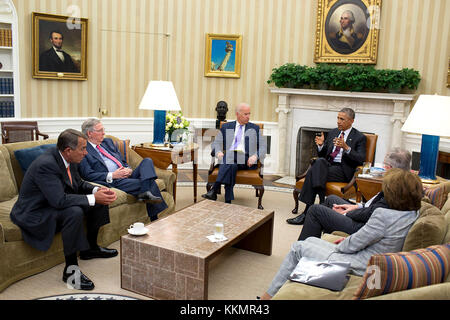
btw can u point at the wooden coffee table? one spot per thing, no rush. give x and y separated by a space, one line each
171 260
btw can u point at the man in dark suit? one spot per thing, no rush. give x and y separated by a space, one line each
53 198
238 146
337 214
105 165
339 155
55 59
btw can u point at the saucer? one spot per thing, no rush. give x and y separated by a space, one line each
136 233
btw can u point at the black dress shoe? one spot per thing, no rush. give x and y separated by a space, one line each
297 220
211 195
78 280
98 253
148 197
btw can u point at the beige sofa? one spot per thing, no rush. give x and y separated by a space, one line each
19 260
431 228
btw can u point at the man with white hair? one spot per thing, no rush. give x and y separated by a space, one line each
238 146
346 40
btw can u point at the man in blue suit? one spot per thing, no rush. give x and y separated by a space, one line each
238 146
105 165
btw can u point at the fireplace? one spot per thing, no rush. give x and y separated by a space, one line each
380 113
306 147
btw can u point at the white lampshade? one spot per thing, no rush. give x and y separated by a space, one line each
430 115
160 95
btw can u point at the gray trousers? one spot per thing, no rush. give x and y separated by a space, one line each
314 248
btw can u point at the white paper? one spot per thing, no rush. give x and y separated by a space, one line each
213 238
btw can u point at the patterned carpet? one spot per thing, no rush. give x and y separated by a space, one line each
88 297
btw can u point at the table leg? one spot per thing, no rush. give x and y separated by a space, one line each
175 170
195 180
260 240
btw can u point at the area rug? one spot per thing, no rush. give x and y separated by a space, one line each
234 275
286 180
286 189
88 296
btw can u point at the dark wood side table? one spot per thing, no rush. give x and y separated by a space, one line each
368 187
163 157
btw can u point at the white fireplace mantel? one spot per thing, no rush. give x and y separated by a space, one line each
379 113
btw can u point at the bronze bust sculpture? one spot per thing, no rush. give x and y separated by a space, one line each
222 109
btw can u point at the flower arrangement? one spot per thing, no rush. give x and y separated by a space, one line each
175 121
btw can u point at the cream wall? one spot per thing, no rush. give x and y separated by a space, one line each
127 48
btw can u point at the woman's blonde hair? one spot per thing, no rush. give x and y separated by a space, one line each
402 190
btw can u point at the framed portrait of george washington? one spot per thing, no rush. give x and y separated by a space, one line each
59 46
223 55
347 31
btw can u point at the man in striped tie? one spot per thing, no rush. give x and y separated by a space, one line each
339 155
105 165
238 146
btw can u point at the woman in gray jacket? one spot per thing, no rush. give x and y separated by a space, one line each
384 232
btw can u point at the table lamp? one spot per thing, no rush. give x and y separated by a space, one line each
429 117
160 96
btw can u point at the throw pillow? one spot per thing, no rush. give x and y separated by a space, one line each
26 156
437 195
428 230
393 272
123 146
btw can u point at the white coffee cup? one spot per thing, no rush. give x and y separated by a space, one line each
218 230
137 226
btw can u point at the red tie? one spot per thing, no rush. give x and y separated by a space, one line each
69 174
103 152
336 150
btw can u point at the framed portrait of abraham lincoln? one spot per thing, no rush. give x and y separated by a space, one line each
347 31
59 46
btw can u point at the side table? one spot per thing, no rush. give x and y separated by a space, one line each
368 187
165 156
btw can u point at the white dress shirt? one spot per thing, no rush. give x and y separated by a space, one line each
90 197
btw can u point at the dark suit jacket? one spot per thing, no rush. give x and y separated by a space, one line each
355 140
254 141
49 61
93 168
45 190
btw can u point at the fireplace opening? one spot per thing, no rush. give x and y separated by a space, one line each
306 147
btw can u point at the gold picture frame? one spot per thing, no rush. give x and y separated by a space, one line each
448 74
347 31
59 46
223 55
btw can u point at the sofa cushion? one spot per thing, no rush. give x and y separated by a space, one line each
437 194
26 156
429 229
393 272
298 291
8 188
446 212
11 231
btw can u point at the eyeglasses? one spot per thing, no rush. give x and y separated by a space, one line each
99 130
